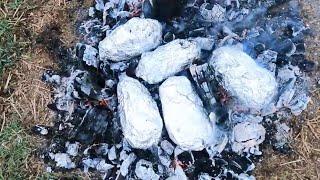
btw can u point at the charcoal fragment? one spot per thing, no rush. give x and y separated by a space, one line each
93 125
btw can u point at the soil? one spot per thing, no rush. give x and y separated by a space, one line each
52 25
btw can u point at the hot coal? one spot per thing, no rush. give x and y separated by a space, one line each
88 130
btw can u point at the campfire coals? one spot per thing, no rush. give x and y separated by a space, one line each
87 133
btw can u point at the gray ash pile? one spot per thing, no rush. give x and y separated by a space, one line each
192 91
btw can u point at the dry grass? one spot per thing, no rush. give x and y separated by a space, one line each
23 97
304 162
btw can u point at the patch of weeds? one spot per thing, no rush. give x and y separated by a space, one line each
14 150
10 22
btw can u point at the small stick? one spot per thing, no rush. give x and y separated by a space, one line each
291 162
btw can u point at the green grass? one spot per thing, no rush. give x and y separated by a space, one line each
14 150
10 46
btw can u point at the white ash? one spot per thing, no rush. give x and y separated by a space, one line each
41 130
124 168
64 93
217 148
241 117
287 73
268 60
62 160
99 5
164 157
191 130
96 163
167 60
241 176
91 12
144 170
89 55
139 115
247 136
205 176
283 135
115 9
52 79
291 96
112 153
72 148
252 86
131 39
123 155
216 13
167 147
205 43
178 174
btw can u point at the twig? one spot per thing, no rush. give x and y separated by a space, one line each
3 121
8 80
291 162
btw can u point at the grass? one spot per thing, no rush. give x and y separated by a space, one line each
11 19
14 151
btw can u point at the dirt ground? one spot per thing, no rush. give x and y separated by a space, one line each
26 96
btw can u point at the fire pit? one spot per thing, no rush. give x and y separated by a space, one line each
178 89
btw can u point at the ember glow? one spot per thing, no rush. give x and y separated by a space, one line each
187 92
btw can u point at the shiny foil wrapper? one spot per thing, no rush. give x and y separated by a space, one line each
167 60
139 115
131 39
186 120
249 85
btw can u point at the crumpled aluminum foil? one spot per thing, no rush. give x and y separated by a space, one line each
139 115
251 86
247 136
131 39
167 60
185 118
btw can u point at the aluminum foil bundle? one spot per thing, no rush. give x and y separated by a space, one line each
131 39
167 60
185 118
139 115
251 86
